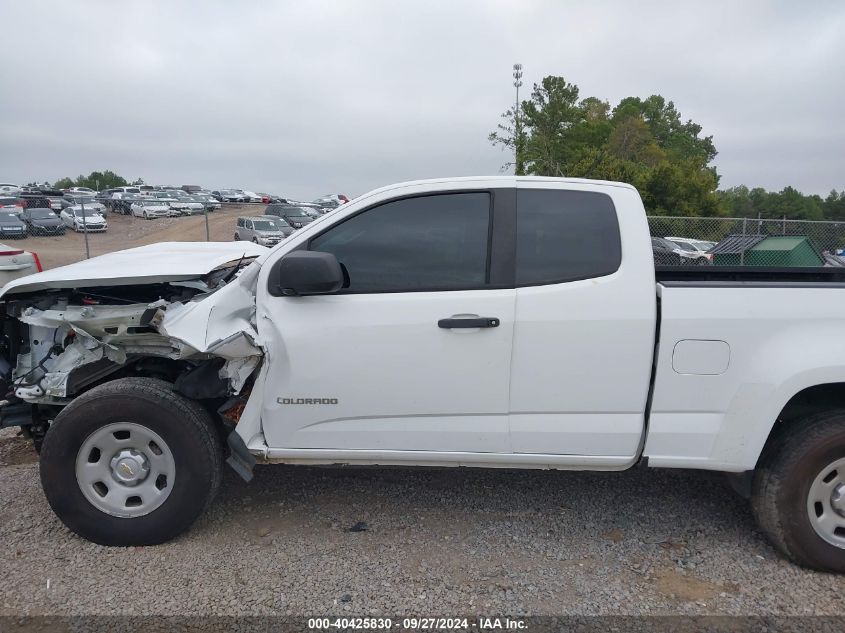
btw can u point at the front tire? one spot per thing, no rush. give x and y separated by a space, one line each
130 462
798 494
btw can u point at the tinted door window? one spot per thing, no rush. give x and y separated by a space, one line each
437 242
565 236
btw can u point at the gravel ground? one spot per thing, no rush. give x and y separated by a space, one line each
309 541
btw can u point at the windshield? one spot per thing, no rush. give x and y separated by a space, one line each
152 203
297 213
685 246
42 214
87 213
8 216
268 224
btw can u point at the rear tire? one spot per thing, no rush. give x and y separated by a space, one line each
190 458
798 490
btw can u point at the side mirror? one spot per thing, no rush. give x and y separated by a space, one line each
303 273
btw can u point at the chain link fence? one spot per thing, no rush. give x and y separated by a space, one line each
684 241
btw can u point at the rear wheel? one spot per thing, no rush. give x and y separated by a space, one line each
798 493
130 462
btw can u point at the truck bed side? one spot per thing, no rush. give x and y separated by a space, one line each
731 356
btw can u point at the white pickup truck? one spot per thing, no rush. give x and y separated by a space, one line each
490 322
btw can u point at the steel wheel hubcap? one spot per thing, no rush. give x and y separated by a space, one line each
125 469
826 503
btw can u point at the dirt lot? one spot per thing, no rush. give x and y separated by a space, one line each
127 232
309 541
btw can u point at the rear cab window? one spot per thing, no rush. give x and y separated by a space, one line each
564 235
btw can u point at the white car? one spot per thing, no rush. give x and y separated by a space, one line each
150 208
252 196
186 206
90 222
16 262
694 251
81 191
8 189
77 202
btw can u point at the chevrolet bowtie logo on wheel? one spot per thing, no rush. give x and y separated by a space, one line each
306 400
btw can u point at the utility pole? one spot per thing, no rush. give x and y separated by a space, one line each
84 226
517 126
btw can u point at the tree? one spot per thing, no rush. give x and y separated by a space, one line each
641 141
64 183
510 134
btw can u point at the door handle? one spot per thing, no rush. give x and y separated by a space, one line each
450 324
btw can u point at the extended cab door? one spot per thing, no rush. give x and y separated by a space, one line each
585 320
388 363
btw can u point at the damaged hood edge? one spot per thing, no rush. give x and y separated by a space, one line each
154 263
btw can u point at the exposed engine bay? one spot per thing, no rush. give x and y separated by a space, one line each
198 333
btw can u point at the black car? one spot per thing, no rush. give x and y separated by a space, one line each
11 225
665 252
295 216
42 222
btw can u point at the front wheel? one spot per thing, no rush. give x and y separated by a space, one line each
130 462
798 495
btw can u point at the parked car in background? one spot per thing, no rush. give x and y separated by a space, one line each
694 252
11 225
665 252
267 230
16 262
83 221
29 200
89 202
191 188
230 195
331 201
55 197
15 205
209 201
295 216
9 189
42 222
187 206
116 200
81 191
149 208
312 210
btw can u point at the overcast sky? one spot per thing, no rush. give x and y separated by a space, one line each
304 98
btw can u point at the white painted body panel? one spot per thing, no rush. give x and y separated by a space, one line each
782 340
401 383
582 350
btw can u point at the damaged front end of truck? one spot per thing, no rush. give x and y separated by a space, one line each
185 315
